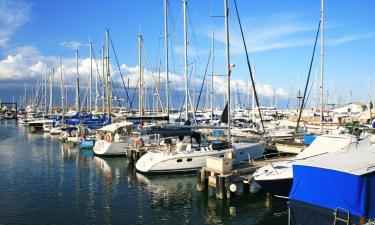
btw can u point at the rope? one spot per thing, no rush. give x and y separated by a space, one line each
248 65
122 77
308 78
204 78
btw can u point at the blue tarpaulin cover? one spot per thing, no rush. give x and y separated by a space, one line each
331 189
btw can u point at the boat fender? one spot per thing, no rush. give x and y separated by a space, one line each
233 187
108 137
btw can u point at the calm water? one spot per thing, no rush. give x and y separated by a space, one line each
46 182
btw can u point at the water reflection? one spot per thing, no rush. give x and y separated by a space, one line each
111 169
68 151
48 182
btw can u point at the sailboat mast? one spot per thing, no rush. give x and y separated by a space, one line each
108 78
96 88
90 78
25 97
140 93
185 64
167 98
45 91
369 96
212 77
103 80
195 74
157 102
51 91
61 86
78 108
253 97
226 12
321 67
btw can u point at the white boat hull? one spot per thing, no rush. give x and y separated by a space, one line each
103 147
185 161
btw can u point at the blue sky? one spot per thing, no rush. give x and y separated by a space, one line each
279 34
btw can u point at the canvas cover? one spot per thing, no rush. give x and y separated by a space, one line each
331 189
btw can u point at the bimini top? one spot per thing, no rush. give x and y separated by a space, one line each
344 179
114 126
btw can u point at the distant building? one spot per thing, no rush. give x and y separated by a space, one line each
348 113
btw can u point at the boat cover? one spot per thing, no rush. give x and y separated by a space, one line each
331 189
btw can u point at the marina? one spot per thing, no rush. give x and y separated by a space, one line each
187 120
59 184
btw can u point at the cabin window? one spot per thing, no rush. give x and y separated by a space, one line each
241 153
222 156
179 160
189 159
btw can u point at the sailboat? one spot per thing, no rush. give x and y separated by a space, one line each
189 153
112 139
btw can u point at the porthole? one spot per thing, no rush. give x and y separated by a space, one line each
189 159
179 160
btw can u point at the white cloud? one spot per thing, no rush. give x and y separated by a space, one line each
26 63
277 32
350 38
71 44
13 14
268 33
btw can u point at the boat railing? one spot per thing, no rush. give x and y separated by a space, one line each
266 157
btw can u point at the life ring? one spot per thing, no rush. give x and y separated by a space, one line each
108 137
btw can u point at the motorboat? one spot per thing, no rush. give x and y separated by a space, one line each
9 114
187 155
55 131
39 125
112 139
277 178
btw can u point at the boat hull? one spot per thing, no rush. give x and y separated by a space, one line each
103 148
86 144
279 187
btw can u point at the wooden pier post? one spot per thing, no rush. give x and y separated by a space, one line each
220 187
246 187
201 180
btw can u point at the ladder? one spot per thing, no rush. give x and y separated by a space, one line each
343 212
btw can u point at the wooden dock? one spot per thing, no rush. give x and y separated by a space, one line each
226 180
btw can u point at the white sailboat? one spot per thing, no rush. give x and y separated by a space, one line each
113 139
184 155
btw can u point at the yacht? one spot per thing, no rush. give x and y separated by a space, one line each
176 155
112 139
277 178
